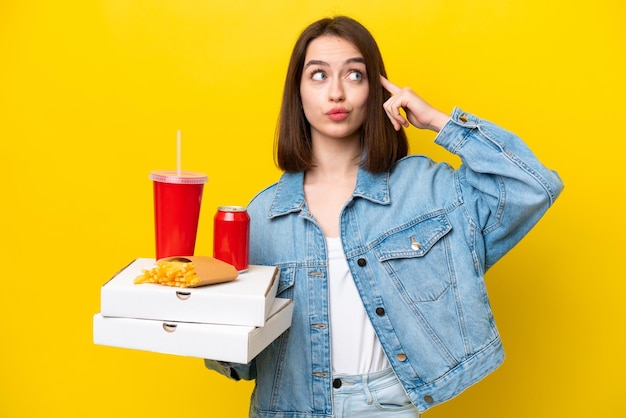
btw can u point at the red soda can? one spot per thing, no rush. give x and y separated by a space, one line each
231 236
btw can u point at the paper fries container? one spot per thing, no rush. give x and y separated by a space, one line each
247 300
238 344
208 269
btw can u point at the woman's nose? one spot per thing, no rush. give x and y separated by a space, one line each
336 92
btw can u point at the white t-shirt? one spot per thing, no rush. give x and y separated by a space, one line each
355 348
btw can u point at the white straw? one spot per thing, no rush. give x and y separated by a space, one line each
178 152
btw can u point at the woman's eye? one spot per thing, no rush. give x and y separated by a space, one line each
318 76
355 75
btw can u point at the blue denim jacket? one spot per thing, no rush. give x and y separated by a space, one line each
418 240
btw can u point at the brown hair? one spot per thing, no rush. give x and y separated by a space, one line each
381 143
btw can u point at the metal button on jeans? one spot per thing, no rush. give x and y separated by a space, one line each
336 383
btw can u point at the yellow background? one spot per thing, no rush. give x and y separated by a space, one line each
92 93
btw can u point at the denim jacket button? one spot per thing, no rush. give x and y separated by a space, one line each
361 262
336 383
401 357
380 311
428 399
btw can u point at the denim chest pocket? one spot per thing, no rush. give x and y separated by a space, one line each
416 256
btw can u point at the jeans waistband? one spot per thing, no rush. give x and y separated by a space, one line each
374 381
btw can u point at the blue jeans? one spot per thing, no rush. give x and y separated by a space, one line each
376 394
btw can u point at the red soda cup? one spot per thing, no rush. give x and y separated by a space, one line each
177 200
231 236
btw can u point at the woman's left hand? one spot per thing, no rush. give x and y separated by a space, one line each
418 112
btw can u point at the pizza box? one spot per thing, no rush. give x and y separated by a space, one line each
247 300
232 343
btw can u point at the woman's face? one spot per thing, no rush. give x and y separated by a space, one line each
334 88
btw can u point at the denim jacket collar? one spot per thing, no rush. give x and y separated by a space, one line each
290 191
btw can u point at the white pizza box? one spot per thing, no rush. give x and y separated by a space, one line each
233 343
247 300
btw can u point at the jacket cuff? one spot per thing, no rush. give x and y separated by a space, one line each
222 368
455 130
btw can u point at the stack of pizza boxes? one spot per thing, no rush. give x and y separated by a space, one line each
229 321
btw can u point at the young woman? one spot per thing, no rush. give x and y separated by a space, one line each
384 254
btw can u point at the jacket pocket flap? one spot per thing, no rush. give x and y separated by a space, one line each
287 279
415 238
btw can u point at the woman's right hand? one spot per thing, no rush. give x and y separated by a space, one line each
418 112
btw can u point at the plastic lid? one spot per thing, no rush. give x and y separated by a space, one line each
171 176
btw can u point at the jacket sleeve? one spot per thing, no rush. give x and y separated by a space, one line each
504 188
233 371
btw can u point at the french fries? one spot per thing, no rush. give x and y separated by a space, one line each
170 273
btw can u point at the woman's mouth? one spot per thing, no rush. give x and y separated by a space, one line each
337 114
